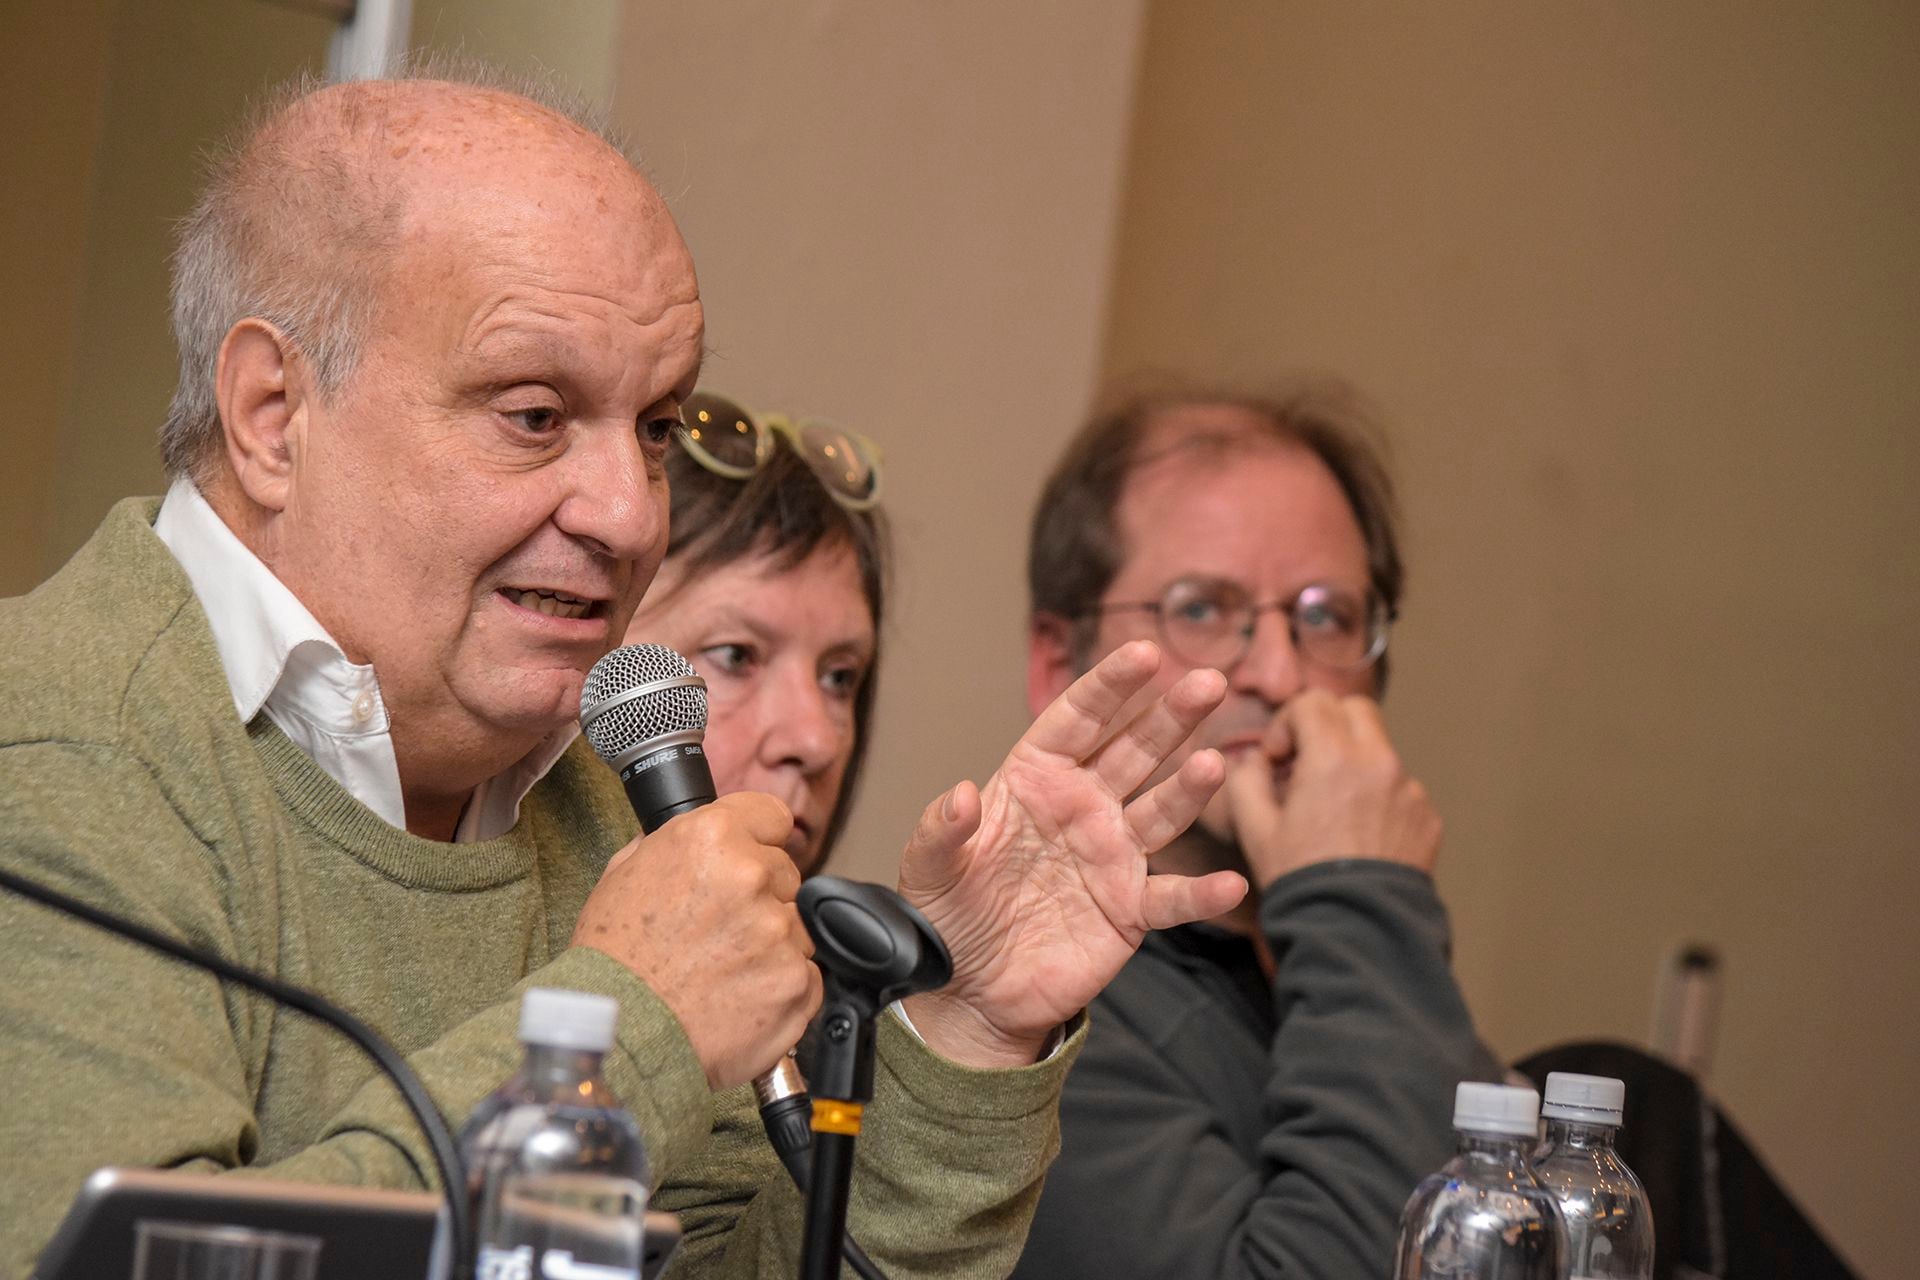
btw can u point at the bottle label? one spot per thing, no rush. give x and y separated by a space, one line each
496 1263
504 1264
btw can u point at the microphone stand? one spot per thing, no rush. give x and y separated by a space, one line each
872 949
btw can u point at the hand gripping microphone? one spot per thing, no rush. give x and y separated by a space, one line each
644 711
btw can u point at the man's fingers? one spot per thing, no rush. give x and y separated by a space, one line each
763 818
1171 900
1079 720
801 938
1317 720
934 853
1251 804
1138 750
783 877
1170 807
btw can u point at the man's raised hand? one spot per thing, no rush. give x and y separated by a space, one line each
1038 881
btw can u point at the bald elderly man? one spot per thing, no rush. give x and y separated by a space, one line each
314 711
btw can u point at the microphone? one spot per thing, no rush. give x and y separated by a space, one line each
643 709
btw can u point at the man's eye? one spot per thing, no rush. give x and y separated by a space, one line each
657 433
1326 616
728 659
1199 613
540 420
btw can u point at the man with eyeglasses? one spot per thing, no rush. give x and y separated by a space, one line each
1260 1093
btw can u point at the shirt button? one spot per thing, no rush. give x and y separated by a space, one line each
363 708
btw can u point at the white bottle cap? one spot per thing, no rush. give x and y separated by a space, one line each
568 1019
1496 1108
1585 1099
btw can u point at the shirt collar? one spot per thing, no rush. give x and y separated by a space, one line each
258 624
277 656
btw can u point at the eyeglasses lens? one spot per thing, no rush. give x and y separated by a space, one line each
1336 629
724 431
844 462
1206 622
1211 623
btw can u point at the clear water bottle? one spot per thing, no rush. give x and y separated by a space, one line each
1609 1223
557 1168
1483 1216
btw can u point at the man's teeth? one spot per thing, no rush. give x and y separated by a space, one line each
554 606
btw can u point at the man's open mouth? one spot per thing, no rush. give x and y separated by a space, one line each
555 604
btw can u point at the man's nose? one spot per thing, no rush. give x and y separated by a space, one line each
1271 668
612 500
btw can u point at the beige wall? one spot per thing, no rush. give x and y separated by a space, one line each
572 41
48 153
1639 287
903 217
153 85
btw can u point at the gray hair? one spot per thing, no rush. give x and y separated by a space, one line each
286 233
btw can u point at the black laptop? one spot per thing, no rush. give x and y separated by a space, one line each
363 1234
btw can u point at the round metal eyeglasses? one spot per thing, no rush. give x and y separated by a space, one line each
728 439
1209 622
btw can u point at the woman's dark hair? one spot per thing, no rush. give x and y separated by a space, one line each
784 512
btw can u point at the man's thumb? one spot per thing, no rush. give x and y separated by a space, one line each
934 855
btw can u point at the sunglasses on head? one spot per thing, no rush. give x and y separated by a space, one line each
730 440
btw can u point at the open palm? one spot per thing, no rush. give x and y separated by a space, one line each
1038 881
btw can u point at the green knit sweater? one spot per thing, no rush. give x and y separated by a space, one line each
127 780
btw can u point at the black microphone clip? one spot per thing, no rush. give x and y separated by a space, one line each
872 949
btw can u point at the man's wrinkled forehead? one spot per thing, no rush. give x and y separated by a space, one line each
482 182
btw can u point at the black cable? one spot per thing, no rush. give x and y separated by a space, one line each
445 1155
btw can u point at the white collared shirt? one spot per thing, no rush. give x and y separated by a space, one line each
280 660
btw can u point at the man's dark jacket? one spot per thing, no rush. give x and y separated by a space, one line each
1218 1125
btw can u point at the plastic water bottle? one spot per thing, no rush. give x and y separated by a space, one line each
558 1169
1483 1216
1609 1223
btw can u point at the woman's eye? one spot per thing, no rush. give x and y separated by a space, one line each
843 682
539 420
729 659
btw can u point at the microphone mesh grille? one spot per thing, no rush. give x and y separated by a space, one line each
655 714
629 667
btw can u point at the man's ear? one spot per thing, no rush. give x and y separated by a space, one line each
259 384
1052 664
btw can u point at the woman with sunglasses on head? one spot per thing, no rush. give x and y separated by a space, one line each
773 587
